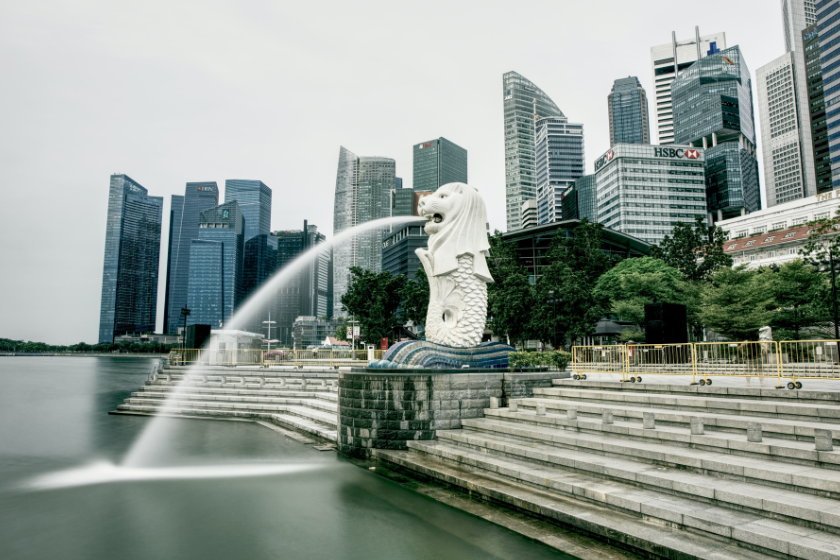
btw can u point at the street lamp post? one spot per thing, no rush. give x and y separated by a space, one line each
269 323
184 313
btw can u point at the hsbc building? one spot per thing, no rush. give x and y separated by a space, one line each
644 190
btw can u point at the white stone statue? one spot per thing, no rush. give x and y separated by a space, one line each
456 265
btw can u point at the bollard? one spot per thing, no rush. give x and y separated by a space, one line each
494 402
754 432
648 421
540 410
571 414
513 406
696 426
607 417
822 440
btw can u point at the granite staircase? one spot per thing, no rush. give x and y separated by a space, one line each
304 401
664 471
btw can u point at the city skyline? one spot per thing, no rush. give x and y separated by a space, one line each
214 129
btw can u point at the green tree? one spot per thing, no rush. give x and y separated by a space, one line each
823 245
799 295
341 331
736 303
510 296
415 298
373 299
696 252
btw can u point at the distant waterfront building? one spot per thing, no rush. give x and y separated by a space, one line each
667 61
828 24
216 266
580 201
560 160
362 194
402 202
628 110
254 199
183 228
398 256
524 104
529 214
132 251
644 191
310 331
438 162
259 264
784 165
816 107
713 110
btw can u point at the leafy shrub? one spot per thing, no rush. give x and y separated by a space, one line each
556 359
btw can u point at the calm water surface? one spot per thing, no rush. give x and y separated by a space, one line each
53 416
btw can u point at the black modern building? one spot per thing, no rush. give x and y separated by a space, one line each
580 200
254 199
438 162
816 104
398 255
628 111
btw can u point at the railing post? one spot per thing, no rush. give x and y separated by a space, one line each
693 363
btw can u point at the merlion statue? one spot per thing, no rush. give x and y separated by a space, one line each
456 265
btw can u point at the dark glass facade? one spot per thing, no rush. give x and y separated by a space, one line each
828 26
713 107
524 104
183 229
581 200
402 202
628 112
216 266
254 199
560 160
438 162
398 254
816 106
132 252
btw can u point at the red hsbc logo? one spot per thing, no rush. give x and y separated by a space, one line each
692 154
610 155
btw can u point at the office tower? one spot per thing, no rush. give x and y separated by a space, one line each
828 24
816 106
398 256
529 214
524 104
780 131
183 228
667 61
254 199
580 201
362 194
644 191
559 161
628 109
796 16
438 162
402 202
713 109
216 263
132 250
398 183
259 264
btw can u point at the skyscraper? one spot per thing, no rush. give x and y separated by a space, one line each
628 110
828 24
183 228
559 161
524 104
816 105
796 16
438 162
667 61
713 109
362 194
780 131
132 250
254 199
581 200
216 263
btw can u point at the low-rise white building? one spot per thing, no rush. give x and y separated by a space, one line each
775 235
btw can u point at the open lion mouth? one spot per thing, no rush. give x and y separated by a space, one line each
437 218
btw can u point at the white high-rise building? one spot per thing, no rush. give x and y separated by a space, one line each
781 128
667 61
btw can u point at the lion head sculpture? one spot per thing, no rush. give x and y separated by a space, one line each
457 225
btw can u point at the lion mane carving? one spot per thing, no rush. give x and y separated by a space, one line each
456 265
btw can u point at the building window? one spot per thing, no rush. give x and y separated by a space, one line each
791 251
789 235
769 239
759 230
752 257
732 246
750 243
779 225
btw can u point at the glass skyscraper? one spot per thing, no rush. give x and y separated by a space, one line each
524 104
816 108
362 193
559 161
628 111
580 201
183 228
713 109
828 26
216 266
438 162
254 199
132 251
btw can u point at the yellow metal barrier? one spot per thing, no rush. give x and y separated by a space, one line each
737 359
598 359
658 359
809 359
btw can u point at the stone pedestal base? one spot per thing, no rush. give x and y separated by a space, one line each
424 354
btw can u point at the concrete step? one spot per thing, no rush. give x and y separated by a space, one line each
744 528
649 386
795 430
638 533
331 397
723 465
157 409
292 385
783 505
301 424
325 415
765 408
209 397
329 419
205 390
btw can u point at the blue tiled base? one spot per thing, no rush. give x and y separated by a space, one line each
424 354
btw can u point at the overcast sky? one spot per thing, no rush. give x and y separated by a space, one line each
169 92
